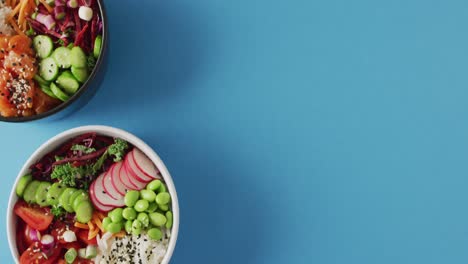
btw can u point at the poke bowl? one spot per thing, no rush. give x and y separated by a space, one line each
93 194
52 56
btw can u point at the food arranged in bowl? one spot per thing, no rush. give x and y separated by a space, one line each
93 199
47 51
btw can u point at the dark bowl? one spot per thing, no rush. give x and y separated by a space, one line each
86 91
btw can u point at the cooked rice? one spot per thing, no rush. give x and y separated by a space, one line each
5 28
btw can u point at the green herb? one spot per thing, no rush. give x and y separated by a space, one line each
30 31
118 149
68 174
60 42
91 61
83 149
57 211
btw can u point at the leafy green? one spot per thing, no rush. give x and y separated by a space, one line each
91 62
83 149
68 174
118 149
57 211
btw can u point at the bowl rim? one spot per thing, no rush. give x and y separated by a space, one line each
103 130
84 87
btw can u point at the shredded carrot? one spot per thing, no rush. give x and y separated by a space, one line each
80 225
93 233
101 215
14 12
15 27
120 234
22 12
91 225
48 7
98 222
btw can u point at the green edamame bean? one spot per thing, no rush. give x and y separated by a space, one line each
128 226
162 188
157 219
163 198
105 222
136 227
169 218
114 227
148 195
144 219
131 198
141 205
129 213
152 207
154 185
116 215
164 207
155 233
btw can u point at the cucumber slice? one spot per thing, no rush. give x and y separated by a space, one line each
41 193
61 56
30 192
81 74
78 57
55 191
58 92
64 199
22 184
84 212
43 46
48 69
73 198
82 197
40 80
68 82
46 90
97 46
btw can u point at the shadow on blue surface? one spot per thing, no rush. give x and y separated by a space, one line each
154 53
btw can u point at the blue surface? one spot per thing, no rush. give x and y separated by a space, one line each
296 131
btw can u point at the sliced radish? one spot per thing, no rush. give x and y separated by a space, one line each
134 170
124 179
97 204
108 186
103 197
125 175
144 164
119 186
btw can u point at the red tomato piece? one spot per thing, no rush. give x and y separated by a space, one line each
34 254
83 236
36 217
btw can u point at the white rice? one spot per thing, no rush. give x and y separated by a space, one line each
5 28
148 251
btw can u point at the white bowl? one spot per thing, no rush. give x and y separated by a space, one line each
59 139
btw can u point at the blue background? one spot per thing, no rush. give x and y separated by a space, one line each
296 131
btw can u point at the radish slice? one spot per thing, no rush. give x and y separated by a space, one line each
108 186
125 175
103 197
144 164
124 178
136 173
118 185
95 202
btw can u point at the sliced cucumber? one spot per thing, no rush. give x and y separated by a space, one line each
78 57
22 184
68 82
41 193
82 197
46 90
64 199
84 212
43 46
48 69
61 56
40 80
58 92
97 46
30 192
81 74
54 193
